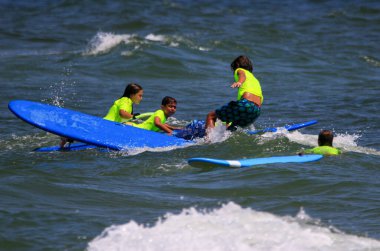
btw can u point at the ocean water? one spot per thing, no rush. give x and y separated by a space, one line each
314 59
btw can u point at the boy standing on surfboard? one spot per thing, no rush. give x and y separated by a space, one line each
246 109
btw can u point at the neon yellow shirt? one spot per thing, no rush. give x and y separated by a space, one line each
251 84
149 123
324 150
123 103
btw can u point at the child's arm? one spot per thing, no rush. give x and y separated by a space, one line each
241 79
164 127
124 114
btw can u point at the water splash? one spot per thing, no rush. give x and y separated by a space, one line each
103 42
63 90
344 141
217 134
371 60
156 38
230 227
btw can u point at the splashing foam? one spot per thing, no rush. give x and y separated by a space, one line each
103 42
63 90
345 142
139 150
372 61
230 227
218 134
156 38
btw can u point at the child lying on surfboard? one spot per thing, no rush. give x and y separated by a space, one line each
157 121
325 145
122 109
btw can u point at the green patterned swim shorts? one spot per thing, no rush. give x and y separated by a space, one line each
241 113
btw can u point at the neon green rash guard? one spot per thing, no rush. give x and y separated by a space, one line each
123 103
324 150
149 123
251 84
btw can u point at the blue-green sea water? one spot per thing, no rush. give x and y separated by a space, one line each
314 59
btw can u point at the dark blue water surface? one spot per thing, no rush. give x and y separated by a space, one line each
314 59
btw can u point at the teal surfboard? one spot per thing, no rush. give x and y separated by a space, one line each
208 162
90 129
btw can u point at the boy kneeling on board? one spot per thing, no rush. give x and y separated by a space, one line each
325 145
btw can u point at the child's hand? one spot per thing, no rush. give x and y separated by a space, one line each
236 84
135 115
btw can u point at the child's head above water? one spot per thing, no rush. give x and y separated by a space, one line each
134 92
169 105
325 138
168 100
242 62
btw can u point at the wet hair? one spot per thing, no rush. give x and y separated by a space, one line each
242 62
325 138
131 89
168 100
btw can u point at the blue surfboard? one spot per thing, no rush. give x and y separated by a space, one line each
78 146
196 129
208 162
287 127
89 129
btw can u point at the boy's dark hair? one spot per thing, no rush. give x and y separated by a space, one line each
325 138
242 62
131 89
168 100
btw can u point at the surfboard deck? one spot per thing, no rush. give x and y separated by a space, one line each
209 162
89 129
193 130
287 127
78 146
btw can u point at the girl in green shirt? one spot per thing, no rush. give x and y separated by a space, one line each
122 109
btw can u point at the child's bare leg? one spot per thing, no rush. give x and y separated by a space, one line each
210 120
63 142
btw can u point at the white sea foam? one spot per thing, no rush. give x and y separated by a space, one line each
103 42
156 38
230 227
346 142
218 134
139 150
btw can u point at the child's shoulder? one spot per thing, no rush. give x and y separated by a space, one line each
159 112
123 100
325 150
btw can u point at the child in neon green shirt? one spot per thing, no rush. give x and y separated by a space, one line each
247 108
325 144
157 121
122 109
